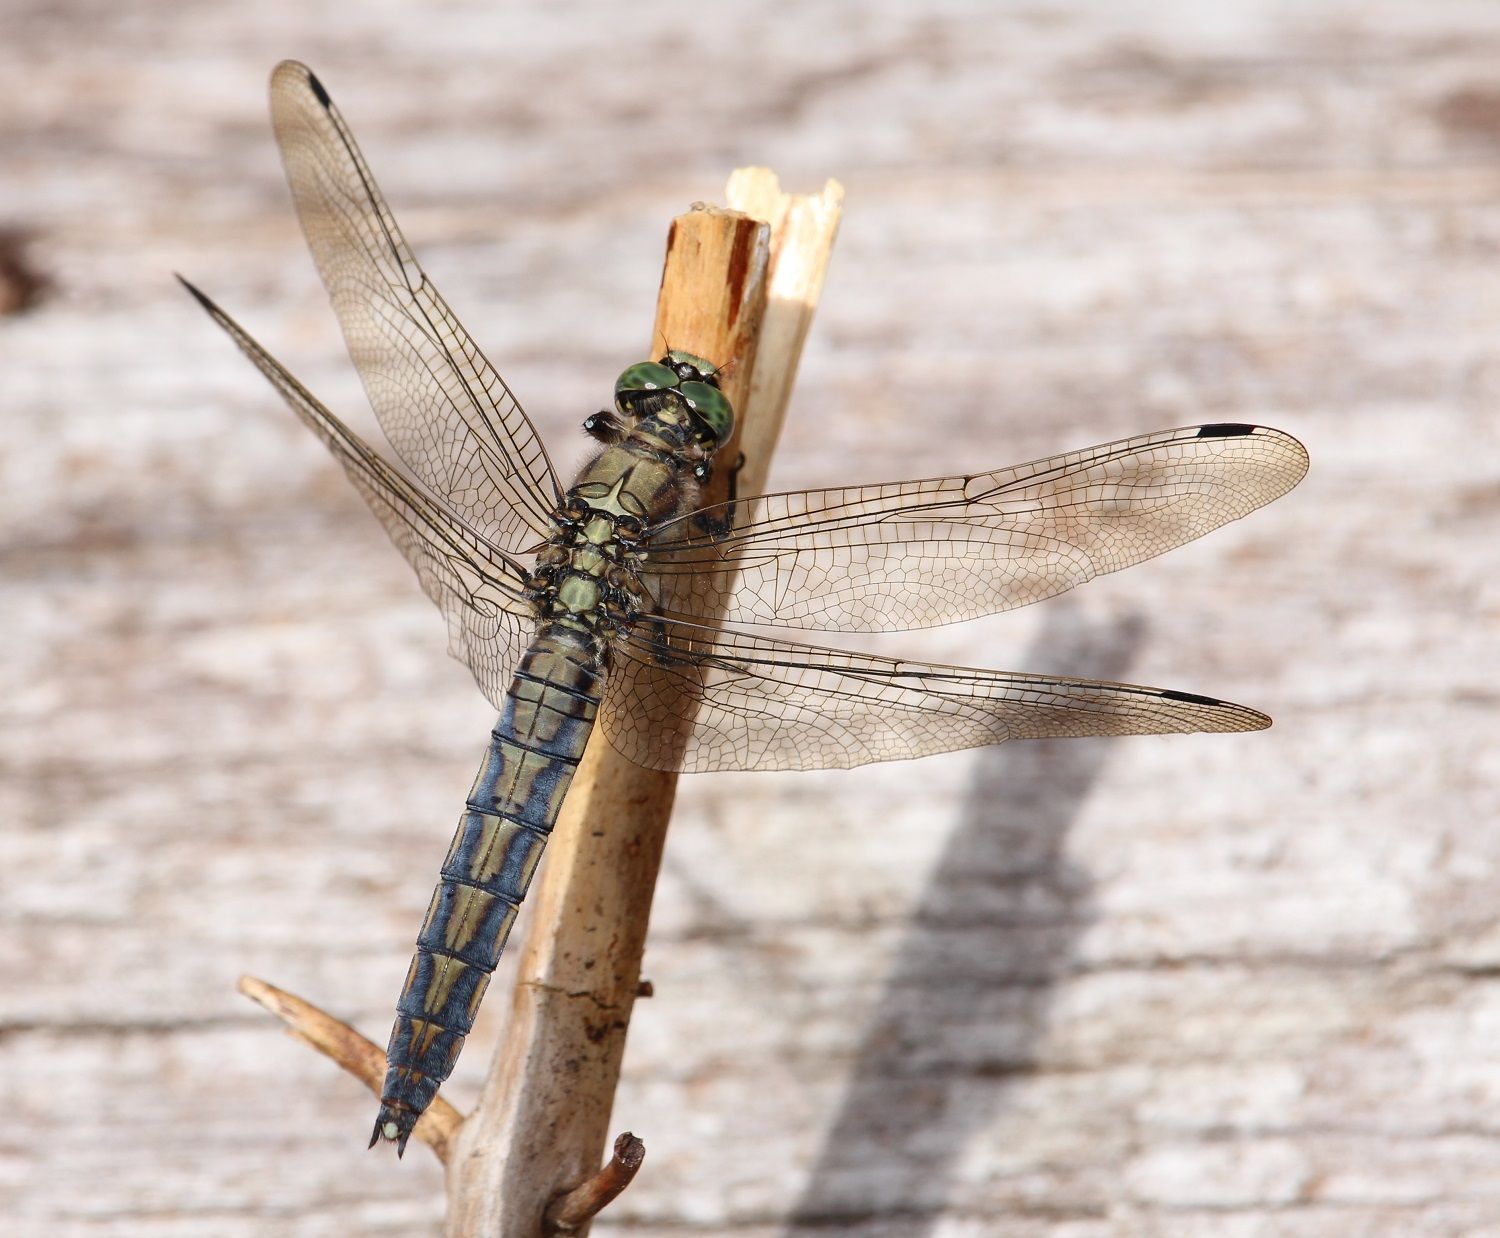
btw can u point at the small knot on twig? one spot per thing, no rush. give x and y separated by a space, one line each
572 1210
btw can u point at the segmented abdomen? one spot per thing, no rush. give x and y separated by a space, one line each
533 752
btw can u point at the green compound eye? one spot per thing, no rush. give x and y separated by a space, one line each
712 408
676 357
643 376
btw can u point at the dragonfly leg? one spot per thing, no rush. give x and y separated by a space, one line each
659 643
719 526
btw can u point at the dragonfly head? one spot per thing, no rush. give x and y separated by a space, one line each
682 380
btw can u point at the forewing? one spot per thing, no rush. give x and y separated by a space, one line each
448 414
686 697
478 589
915 554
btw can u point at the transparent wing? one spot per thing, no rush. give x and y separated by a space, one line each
914 554
681 696
448 414
477 587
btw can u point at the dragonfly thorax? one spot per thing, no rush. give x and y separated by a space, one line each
587 573
670 416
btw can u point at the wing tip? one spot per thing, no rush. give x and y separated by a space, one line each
1233 717
197 293
296 71
1241 429
210 306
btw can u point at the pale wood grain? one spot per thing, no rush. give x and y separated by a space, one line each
1189 986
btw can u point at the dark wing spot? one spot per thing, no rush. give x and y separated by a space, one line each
1192 698
197 295
1225 429
317 89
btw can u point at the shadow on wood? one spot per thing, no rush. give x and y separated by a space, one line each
909 1110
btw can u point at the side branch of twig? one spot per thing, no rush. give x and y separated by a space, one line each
569 1213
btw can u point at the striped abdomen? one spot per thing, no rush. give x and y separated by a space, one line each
533 752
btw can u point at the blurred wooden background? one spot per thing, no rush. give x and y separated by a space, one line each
1207 985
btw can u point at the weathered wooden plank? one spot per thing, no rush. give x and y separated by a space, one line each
1169 986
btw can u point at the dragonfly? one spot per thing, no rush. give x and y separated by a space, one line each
619 602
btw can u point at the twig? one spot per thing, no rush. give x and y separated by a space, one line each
362 1058
803 228
542 1119
569 1213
